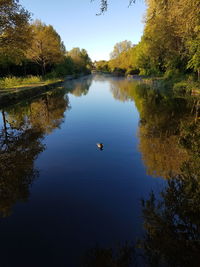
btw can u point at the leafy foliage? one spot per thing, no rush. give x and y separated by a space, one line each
170 41
46 46
36 48
14 30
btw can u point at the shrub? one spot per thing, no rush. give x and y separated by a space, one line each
180 88
10 82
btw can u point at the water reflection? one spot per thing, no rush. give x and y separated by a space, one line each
121 256
17 155
161 115
172 221
79 87
172 224
168 136
23 129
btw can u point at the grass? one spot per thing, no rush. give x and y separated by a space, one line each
30 81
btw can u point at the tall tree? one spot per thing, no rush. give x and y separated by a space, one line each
120 47
14 30
80 58
46 48
194 51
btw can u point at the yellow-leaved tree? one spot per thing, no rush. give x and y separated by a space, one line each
46 47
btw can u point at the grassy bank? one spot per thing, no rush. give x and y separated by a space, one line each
9 83
15 89
178 84
14 95
173 82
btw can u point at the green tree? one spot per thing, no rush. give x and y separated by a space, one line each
194 49
169 26
46 47
80 59
14 31
119 48
102 66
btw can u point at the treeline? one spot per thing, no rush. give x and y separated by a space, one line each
170 43
35 48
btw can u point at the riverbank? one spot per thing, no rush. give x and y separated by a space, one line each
179 85
9 96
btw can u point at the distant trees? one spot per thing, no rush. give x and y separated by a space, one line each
80 58
119 48
102 65
123 59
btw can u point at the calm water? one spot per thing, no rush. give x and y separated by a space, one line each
59 195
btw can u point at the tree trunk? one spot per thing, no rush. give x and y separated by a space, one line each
43 68
5 126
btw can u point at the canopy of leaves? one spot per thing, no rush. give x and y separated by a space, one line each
14 29
46 46
170 41
120 48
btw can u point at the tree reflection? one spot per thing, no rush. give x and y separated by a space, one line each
169 134
161 116
123 256
23 129
172 221
45 113
162 155
79 87
17 172
172 224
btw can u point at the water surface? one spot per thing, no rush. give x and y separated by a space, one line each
60 195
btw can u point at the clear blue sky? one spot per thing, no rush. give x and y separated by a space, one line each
78 25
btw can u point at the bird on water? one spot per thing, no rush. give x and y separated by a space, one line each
100 146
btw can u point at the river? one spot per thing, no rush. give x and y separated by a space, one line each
60 196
